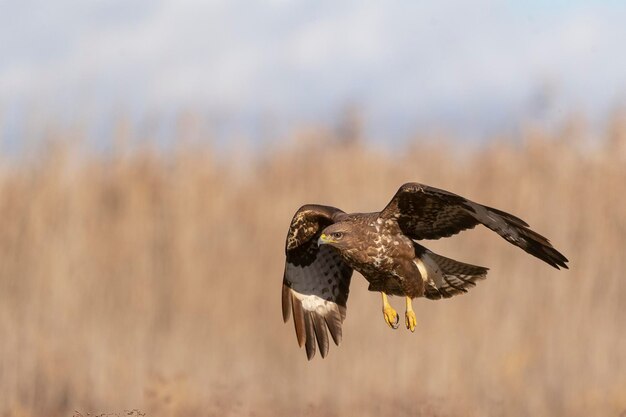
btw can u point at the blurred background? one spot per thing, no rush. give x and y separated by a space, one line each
152 154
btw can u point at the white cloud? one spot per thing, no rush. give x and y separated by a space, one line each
406 62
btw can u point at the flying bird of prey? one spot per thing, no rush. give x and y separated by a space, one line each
324 245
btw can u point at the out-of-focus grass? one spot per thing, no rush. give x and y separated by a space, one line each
151 281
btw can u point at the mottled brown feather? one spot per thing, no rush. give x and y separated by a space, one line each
316 280
425 212
382 247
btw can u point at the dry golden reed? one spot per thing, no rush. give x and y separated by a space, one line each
146 280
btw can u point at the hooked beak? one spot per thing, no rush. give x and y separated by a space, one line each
323 240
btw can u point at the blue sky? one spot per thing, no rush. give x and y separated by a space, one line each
474 67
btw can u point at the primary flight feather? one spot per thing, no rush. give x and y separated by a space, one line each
324 245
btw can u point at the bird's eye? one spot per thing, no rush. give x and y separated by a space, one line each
337 235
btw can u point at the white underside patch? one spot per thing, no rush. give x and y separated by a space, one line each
317 304
429 270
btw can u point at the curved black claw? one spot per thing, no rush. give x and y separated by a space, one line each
395 325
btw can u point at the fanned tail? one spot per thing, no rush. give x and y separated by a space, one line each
445 277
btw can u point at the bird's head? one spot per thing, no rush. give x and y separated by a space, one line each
338 235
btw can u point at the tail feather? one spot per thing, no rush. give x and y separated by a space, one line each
445 277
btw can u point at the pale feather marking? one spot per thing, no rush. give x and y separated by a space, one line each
318 304
422 268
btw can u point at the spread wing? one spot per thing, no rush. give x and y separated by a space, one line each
424 212
316 280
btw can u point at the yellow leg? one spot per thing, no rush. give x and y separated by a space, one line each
410 319
391 317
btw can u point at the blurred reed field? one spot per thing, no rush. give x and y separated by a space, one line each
139 279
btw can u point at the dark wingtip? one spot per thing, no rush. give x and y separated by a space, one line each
309 343
556 257
298 320
548 254
286 302
319 325
561 262
333 322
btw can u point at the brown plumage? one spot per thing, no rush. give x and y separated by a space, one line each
324 245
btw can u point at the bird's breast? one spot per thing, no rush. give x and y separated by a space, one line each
379 255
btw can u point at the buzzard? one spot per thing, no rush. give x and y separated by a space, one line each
324 245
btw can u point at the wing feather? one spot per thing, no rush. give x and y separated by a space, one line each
424 212
310 331
298 320
334 321
316 280
320 333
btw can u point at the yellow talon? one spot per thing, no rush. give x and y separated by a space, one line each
410 319
391 317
